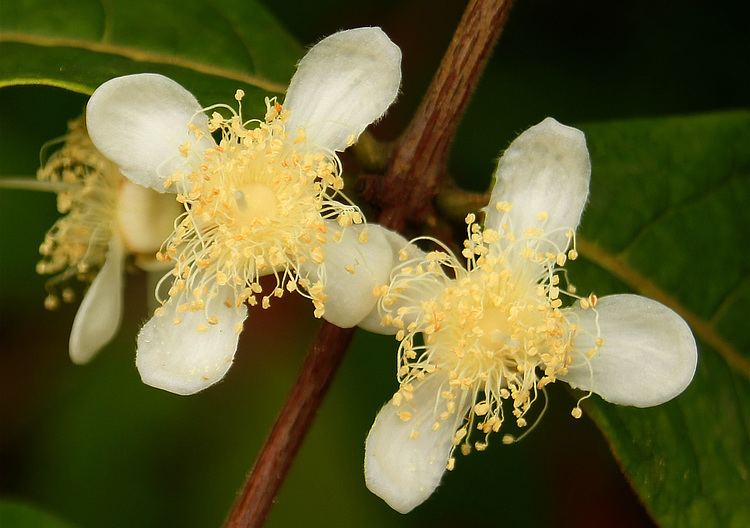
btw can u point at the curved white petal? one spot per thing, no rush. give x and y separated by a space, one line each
648 354
344 83
188 357
544 174
405 459
403 250
353 267
100 313
139 122
145 218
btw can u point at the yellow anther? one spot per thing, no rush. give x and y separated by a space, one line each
503 207
51 302
480 409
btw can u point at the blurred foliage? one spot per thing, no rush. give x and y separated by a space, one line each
20 515
669 200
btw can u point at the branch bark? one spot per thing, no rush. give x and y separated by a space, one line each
257 495
419 161
416 168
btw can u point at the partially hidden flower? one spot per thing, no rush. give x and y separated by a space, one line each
263 198
107 219
495 331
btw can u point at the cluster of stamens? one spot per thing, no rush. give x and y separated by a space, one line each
255 205
86 184
494 329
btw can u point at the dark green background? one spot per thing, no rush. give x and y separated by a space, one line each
95 447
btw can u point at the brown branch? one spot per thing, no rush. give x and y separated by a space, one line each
419 161
275 459
420 156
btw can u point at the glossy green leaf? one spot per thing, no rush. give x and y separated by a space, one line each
213 47
669 218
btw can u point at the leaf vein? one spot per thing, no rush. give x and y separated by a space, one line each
143 56
233 27
615 265
728 299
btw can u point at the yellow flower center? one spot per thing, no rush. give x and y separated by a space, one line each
256 202
494 330
255 205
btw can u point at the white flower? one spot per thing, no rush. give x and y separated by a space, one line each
265 200
106 219
496 332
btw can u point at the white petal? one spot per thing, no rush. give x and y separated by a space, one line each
545 171
400 247
344 83
145 218
139 122
648 356
405 460
188 357
351 271
100 313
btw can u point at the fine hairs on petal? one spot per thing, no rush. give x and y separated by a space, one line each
545 171
98 318
647 354
141 121
344 83
185 352
358 262
406 454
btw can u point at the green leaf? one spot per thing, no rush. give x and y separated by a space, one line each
668 218
212 47
20 515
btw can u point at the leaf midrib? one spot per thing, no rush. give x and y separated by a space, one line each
704 329
141 55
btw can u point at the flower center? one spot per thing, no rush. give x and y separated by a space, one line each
255 205
494 330
256 202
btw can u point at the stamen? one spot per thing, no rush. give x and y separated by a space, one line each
256 205
87 184
494 327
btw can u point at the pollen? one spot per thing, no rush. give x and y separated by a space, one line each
76 245
255 205
494 327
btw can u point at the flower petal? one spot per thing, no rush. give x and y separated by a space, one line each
403 250
352 269
145 218
405 459
188 357
140 121
648 354
544 175
100 313
344 83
